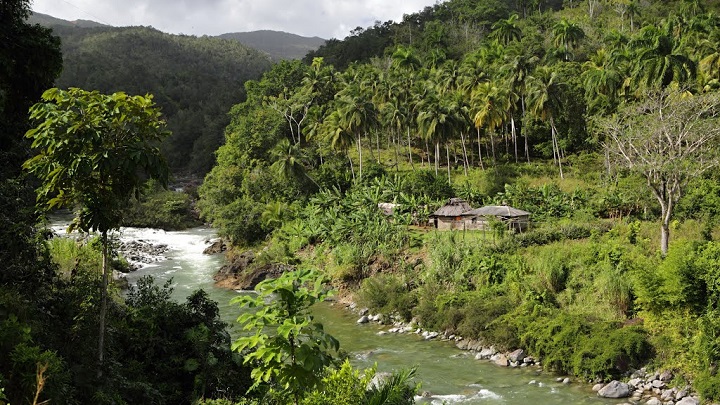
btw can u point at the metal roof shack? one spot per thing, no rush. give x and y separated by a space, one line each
516 219
450 215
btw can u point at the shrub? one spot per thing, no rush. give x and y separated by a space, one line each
707 385
608 352
388 293
163 209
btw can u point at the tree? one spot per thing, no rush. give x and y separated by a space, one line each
506 30
567 34
658 61
294 355
96 151
356 111
491 104
669 138
543 89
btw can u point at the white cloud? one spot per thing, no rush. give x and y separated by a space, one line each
322 18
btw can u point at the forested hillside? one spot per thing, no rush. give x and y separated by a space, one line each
194 80
598 117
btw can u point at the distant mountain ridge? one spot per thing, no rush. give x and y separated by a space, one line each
49 21
277 45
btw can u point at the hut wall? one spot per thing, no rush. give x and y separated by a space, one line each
449 223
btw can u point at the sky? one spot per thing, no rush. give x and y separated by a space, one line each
322 18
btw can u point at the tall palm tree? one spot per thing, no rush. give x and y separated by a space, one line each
333 130
506 30
543 102
491 104
658 63
514 73
438 120
633 10
404 59
567 35
602 80
356 112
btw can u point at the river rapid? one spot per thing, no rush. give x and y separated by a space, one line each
452 376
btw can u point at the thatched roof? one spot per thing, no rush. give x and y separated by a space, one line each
497 211
455 207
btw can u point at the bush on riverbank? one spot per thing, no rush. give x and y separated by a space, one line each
162 209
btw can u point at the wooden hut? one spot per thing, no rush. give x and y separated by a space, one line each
450 215
479 218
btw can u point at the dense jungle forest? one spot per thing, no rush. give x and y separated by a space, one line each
598 117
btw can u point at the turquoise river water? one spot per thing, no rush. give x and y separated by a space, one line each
452 376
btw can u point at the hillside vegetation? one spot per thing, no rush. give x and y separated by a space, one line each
194 80
600 118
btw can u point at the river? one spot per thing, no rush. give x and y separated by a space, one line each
451 375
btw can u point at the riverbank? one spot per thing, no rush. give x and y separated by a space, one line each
641 386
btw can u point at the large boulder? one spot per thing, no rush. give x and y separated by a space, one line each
216 246
688 401
500 360
615 389
517 356
242 273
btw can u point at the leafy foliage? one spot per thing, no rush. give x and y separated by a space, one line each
294 354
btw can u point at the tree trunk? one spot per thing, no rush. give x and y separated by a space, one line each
103 304
437 157
447 154
377 145
664 237
479 150
427 152
359 147
514 136
465 155
410 149
492 146
352 169
527 147
395 147
556 146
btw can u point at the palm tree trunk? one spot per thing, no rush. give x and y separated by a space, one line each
352 168
479 150
447 154
465 155
377 144
437 156
359 147
556 146
492 145
527 147
427 152
410 150
395 143
514 136
103 304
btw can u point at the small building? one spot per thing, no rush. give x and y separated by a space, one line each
479 218
450 215
388 209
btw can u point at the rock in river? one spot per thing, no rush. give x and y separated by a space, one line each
615 389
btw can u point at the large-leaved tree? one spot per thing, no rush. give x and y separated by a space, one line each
94 152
